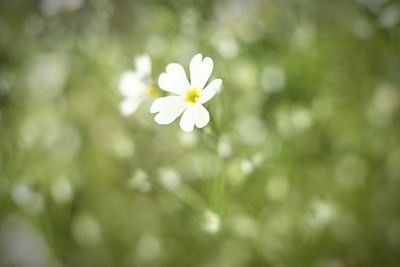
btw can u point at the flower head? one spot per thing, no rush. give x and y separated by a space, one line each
212 222
54 7
187 98
136 86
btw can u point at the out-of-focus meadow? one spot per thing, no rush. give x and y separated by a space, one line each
302 167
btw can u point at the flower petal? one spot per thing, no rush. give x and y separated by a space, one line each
174 79
200 70
129 105
165 102
202 117
210 90
143 65
187 119
168 115
130 84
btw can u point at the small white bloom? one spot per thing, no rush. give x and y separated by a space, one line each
21 194
389 16
136 86
86 230
247 166
212 222
225 43
140 181
224 148
54 7
322 213
24 196
169 178
21 244
47 75
61 191
188 98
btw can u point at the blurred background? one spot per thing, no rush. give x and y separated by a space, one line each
304 151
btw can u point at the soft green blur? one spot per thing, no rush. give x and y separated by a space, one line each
300 165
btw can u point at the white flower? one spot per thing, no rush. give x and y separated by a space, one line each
86 230
62 191
212 222
169 178
188 98
247 166
24 196
136 86
224 148
53 7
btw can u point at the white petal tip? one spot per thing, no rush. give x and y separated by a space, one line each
201 126
125 112
187 130
159 120
153 108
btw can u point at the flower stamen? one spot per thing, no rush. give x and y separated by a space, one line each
152 91
192 95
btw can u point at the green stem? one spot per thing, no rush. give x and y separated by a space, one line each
218 190
190 197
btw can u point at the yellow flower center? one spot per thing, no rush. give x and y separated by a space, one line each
192 95
152 91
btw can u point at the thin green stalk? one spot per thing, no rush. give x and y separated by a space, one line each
218 190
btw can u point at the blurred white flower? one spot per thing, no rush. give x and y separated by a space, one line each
54 7
123 146
86 230
225 44
386 99
140 181
290 122
301 119
22 245
61 191
212 222
188 98
136 86
247 166
304 36
363 29
47 75
245 74
258 133
169 178
384 104
389 16
224 148
258 159
24 196
322 212
272 78
21 194
373 5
